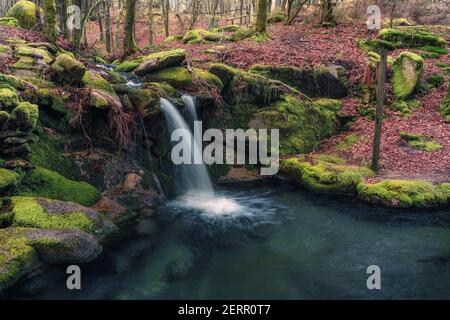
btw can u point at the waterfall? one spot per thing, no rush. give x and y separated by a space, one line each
195 176
190 111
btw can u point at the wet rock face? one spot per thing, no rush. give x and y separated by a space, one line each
329 82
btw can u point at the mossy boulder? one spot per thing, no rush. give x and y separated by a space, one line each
25 116
375 45
325 174
420 142
182 78
8 98
102 94
67 69
46 183
21 249
128 65
327 82
200 36
405 194
9 21
4 117
411 37
408 70
45 213
160 60
28 14
145 100
242 34
302 124
227 28
7 178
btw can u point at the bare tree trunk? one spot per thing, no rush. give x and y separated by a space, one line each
261 18
150 17
129 42
379 112
106 12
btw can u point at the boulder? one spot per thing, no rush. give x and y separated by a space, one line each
68 70
28 14
8 98
7 178
408 70
102 94
9 21
160 60
25 116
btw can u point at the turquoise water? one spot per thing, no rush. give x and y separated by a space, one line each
285 244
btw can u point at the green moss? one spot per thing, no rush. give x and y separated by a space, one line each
16 257
7 178
223 71
302 124
128 65
228 28
166 59
25 115
181 78
173 38
412 37
242 33
405 107
420 142
45 183
8 98
435 80
66 69
325 177
404 194
199 36
329 104
28 213
13 81
49 151
4 117
444 66
27 51
9 21
436 50
408 69
277 16
26 13
349 141
375 45
96 81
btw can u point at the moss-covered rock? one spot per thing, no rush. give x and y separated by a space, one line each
182 78
227 28
128 65
405 107
408 70
420 142
325 174
8 98
329 82
242 34
102 94
25 116
67 69
45 183
27 14
349 141
160 60
17 258
375 45
7 178
4 117
412 38
404 194
329 104
302 124
199 36
9 21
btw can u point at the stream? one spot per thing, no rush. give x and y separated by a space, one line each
284 244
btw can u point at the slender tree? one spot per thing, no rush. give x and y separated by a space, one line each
129 42
261 18
106 5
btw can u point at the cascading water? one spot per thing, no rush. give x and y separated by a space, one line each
195 176
191 110
199 194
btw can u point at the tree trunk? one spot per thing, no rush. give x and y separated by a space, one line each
150 17
379 112
100 26
63 17
50 20
391 20
107 14
129 42
261 18
327 12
